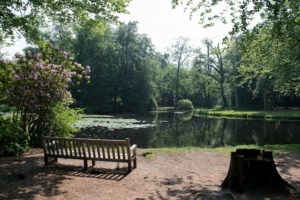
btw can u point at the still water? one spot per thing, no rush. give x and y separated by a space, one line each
185 130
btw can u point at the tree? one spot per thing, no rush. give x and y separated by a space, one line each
180 53
281 13
233 57
203 85
219 68
271 67
135 52
36 86
215 68
25 16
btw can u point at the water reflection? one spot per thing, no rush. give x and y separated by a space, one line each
186 130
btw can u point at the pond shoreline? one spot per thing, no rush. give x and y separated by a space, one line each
278 113
293 114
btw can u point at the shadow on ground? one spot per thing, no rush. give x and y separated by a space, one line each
99 173
285 166
26 177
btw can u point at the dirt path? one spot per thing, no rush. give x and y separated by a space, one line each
187 175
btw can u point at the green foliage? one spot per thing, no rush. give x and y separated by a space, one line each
185 104
26 16
122 68
180 53
218 107
200 111
280 13
13 140
281 114
152 104
62 119
184 117
4 108
35 87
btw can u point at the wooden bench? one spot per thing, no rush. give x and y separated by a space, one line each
89 149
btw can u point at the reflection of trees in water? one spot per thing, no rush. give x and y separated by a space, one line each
203 132
174 130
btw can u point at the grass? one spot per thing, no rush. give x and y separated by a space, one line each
276 149
276 114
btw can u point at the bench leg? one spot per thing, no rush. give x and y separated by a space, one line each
46 160
93 162
129 166
134 163
85 165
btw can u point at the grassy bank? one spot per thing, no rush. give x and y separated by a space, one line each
276 149
275 114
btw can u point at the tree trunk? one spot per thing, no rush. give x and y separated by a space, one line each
252 169
235 85
265 96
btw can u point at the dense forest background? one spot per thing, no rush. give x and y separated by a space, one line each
128 75
254 68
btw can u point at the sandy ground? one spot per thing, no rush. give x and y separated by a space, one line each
186 175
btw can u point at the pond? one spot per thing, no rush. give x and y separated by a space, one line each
158 130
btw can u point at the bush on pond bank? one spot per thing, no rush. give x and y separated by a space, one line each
185 104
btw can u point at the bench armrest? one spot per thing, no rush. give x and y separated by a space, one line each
133 147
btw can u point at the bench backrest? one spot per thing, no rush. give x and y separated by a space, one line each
93 149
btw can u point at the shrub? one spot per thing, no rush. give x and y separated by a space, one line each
200 111
218 107
13 141
35 83
185 104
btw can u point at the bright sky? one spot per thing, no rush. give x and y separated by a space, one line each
162 24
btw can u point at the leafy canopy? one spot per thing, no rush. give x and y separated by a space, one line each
25 16
281 13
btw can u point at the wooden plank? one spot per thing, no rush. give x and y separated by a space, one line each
66 147
56 147
47 146
118 151
108 152
93 145
113 151
89 150
123 151
103 150
75 148
80 148
71 146
98 150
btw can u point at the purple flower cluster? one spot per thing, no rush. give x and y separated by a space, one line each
42 81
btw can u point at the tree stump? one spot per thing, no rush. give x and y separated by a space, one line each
252 169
